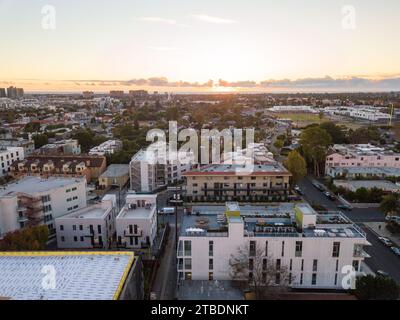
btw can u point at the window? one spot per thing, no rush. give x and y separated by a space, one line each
61 227
80 227
188 263
302 264
278 264
251 264
63 239
211 276
283 249
188 248
314 279
180 263
211 248
264 266
337 265
99 228
188 276
335 279
75 238
301 278
291 265
277 278
299 249
82 239
74 227
356 265
210 264
315 265
266 248
252 248
336 249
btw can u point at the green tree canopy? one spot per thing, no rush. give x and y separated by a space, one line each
32 238
376 288
296 164
315 142
390 204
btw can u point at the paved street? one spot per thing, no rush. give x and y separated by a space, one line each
382 258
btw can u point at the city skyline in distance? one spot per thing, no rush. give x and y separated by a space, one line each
257 46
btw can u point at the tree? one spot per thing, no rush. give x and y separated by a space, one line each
32 238
336 132
376 288
390 204
279 144
260 272
40 140
296 165
315 142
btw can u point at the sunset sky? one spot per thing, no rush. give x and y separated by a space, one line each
180 45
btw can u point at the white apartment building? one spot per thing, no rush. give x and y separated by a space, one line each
368 113
7 156
136 223
107 147
92 227
313 248
149 170
34 201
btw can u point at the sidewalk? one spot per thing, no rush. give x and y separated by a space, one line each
383 232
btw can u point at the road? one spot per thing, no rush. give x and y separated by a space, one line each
382 258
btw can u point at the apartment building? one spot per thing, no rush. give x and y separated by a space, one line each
7 156
136 223
148 172
92 227
62 147
311 248
107 147
35 201
223 182
28 145
361 155
90 167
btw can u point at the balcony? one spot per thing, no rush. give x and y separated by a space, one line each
138 233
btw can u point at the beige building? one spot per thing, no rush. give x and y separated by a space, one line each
222 182
115 175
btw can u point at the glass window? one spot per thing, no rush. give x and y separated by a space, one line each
336 249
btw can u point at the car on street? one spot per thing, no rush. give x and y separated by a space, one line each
382 273
318 186
167 210
298 190
386 241
329 195
396 251
345 207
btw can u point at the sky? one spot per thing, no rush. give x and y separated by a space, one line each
207 45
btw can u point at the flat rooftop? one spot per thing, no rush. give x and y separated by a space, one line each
32 184
79 275
95 211
138 213
224 169
115 170
369 170
267 221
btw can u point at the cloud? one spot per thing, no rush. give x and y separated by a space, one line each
150 82
212 19
240 84
157 20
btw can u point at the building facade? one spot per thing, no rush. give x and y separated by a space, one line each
136 224
221 182
92 227
35 201
314 250
107 147
7 156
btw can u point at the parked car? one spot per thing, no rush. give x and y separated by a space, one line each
382 273
298 190
345 207
396 250
386 241
318 186
329 195
167 210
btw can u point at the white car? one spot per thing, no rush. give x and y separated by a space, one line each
386 241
